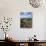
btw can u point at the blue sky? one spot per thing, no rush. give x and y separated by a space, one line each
26 14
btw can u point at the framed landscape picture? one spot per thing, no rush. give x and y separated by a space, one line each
26 20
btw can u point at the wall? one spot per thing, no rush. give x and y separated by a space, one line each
12 8
45 28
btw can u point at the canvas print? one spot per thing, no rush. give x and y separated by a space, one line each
26 20
26 23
